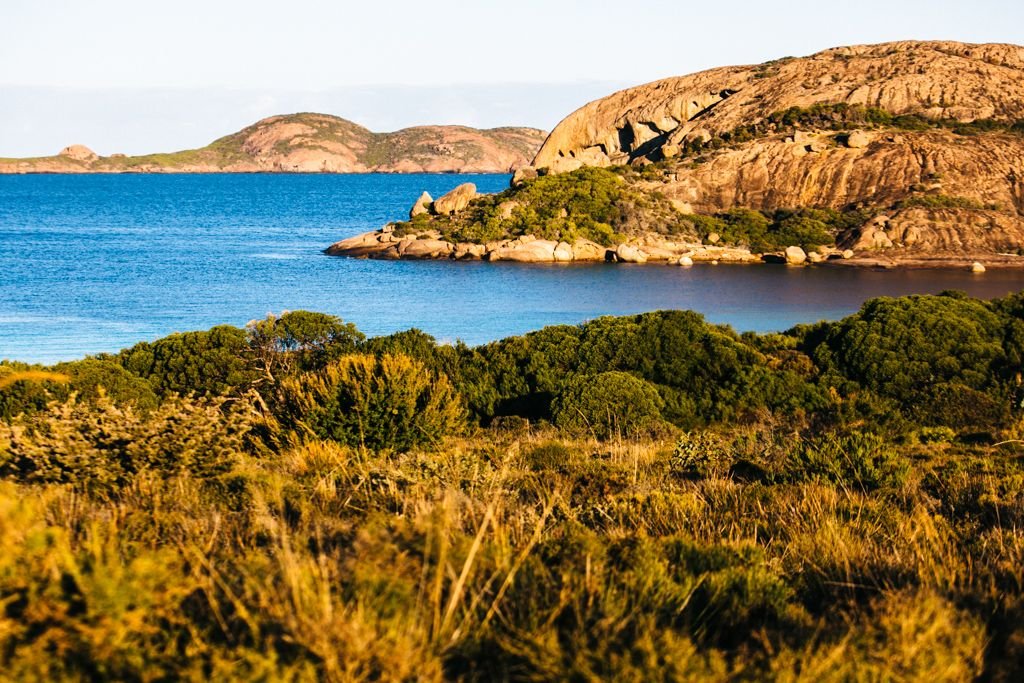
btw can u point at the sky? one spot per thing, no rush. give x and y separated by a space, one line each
136 76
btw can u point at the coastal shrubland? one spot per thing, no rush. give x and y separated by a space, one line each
590 203
645 497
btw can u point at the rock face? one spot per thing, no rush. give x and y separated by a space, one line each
455 200
318 143
935 79
382 244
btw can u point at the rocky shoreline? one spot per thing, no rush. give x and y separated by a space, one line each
384 244
397 242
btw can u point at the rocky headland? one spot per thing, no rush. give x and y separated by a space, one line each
315 143
906 153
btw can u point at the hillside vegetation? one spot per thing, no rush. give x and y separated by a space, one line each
637 498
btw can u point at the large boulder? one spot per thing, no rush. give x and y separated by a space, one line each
506 209
456 200
522 175
359 246
858 139
795 256
468 251
425 249
626 253
585 250
532 251
563 252
422 205
79 153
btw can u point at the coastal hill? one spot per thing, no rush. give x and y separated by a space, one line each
929 133
906 152
310 143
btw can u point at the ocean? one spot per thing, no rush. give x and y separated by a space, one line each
94 263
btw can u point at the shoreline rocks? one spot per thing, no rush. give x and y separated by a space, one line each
384 244
651 249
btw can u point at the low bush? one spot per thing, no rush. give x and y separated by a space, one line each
608 405
858 460
388 402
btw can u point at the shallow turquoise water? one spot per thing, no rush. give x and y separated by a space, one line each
95 263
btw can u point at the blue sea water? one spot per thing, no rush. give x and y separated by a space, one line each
92 263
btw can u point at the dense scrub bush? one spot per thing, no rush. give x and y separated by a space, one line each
607 405
102 446
381 403
700 455
807 227
902 348
857 460
211 363
87 380
703 373
941 201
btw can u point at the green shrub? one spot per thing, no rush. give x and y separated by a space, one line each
942 201
608 404
928 435
86 379
902 348
103 446
857 460
390 402
550 455
700 455
211 363
299 341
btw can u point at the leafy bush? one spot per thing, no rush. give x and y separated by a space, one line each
860 460
102 446
300 340
391 402
700 455
86 379
608 404
942 201
550 455
900 348
807 228
210 363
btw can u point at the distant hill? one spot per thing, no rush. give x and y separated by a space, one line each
315 143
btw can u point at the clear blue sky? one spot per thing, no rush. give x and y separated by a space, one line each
158 75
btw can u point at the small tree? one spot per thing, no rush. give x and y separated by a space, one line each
299 340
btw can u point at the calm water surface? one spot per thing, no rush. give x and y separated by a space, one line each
96 263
